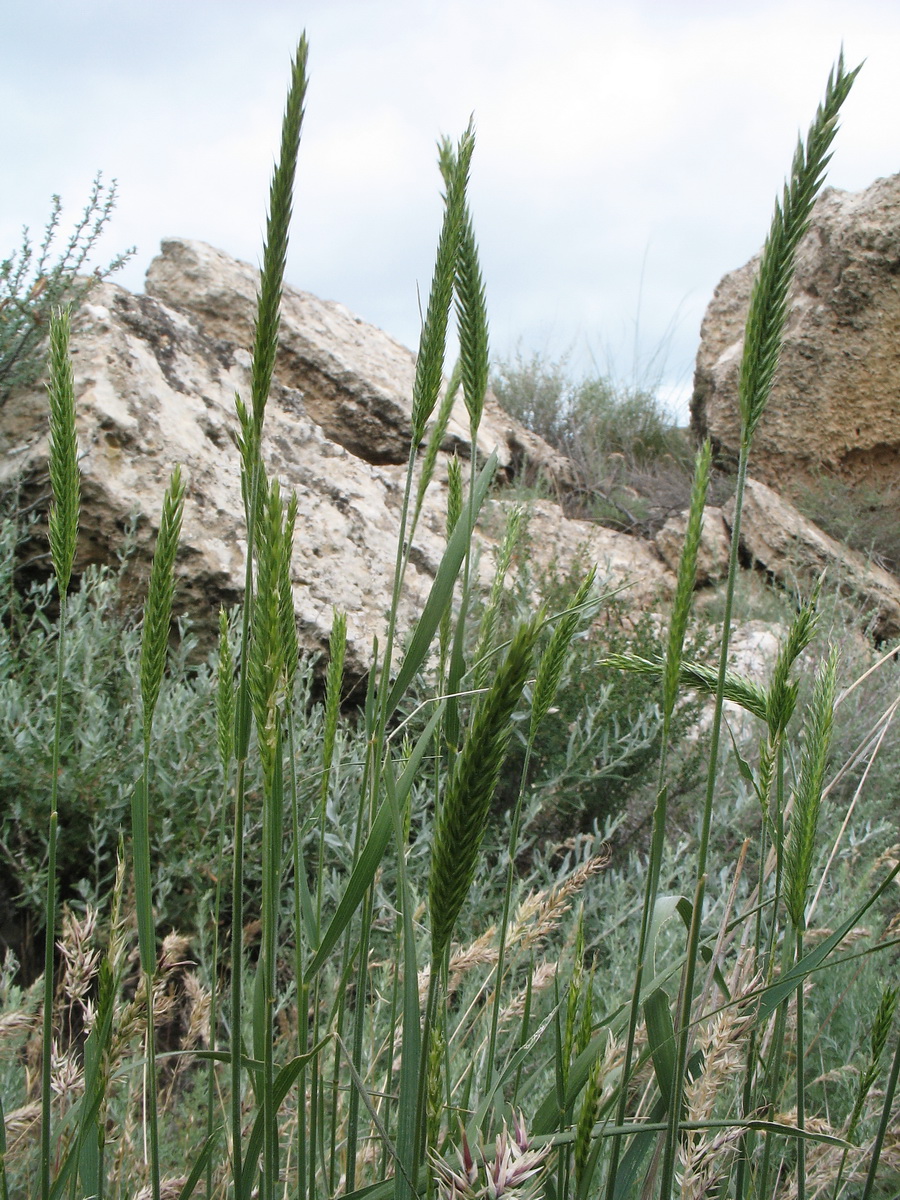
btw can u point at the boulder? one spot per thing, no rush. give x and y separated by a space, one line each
355 380
715 544
155 379
795 552
835 405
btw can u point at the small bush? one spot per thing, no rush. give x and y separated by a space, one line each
32 286
631 461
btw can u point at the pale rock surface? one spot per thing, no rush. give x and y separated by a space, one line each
795 552
836 400
712 554
356 381
572 546
752 653
155 382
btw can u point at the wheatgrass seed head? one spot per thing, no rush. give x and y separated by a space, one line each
454 493
160 594
290 646
687 574
588 1115
553 660
808 793
486 641
267 671
64 473
265 341
430 361
471 319
782 695
436 438
464 811
738 689
769 300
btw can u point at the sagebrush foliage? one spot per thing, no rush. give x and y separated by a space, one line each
33 286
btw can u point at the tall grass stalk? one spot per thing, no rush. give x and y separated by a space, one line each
549 676
799 859
64 482
762 347
225 745
251 421
154 646
670 678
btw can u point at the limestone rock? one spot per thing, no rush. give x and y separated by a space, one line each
570 545
795 552
155 383
715 545
836 400
355 380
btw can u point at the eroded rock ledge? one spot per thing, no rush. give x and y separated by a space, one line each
156 376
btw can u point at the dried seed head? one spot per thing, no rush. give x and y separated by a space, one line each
513 1171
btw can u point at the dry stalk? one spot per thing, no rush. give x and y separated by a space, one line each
538 915
705 1155
169 1189
540 912
541 978
822 1160
22 1127
17 1023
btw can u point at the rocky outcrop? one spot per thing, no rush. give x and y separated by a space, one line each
792 551
156 377
836 400
356 381
795 553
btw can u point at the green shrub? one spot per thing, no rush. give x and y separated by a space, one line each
631 461
32 286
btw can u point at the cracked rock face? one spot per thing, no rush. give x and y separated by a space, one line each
836 400
796 553
155 379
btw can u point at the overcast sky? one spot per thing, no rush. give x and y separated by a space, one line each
628 153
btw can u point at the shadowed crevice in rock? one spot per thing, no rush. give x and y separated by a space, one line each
363 421
172 341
